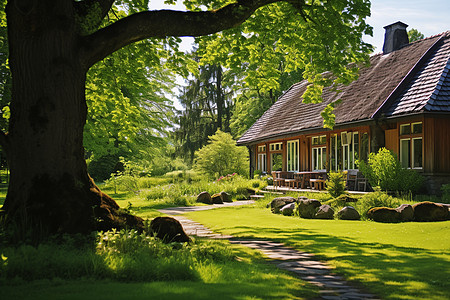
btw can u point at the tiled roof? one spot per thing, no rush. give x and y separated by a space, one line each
429 89
375 88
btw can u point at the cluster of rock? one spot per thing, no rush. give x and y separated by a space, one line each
310 209
419 212
219 198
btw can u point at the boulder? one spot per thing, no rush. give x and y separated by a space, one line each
168 230
384 214
429 212
307 208
226 197
325 212
448 207
406 212
204 197
279 202
302 198
217 199
288 209
348 213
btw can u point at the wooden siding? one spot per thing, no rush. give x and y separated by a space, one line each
437 145
391 140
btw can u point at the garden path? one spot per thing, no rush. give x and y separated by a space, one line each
303 264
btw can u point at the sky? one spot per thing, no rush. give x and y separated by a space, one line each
430 17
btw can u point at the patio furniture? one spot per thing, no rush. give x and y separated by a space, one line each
361 181
278 179
351 180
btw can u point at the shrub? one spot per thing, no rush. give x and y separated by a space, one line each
445 188
376 199
335 184
383 169
221 156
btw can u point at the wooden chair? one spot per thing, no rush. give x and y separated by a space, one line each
361 181
278 180
351 181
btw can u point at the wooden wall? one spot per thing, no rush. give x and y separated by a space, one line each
437 144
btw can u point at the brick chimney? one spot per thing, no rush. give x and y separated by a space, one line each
395 37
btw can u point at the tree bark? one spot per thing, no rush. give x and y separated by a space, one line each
50 190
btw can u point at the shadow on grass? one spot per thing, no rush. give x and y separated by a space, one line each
154 290
387 270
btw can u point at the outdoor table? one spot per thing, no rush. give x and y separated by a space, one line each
305 176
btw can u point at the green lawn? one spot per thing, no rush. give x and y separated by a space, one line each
394 261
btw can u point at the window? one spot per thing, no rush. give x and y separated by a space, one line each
262 148
293 156
364 148
319 158
417 153
336 153
262 162
346 148
411 147
405 152
319 140
276 146
276 162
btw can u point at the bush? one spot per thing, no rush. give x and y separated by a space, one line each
335 184
445 188
221 156
383 169
376 199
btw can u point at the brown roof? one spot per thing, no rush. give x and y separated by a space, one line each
376 89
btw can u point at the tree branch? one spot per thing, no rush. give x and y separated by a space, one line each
82 7
164 23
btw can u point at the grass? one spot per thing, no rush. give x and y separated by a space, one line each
394 261
137 267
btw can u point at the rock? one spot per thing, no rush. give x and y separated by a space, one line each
406 212
429 212
216 199
307 208
448 207
301 198
168 230
279 202
325 212
226 197
204 197
384 214
348 213
288 209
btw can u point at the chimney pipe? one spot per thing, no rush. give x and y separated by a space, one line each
395 37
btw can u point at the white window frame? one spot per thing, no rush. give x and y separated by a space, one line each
293 155
276 146
316 165
262 162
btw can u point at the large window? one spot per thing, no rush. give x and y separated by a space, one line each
262 158
293 156
346 148
411 149
319 152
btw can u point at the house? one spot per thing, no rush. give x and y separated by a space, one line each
401 102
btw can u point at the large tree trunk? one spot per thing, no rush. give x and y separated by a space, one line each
50 190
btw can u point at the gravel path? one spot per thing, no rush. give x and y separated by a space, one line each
303 264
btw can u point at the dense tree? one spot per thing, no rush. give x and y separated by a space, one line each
53 43
207 105
414 35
